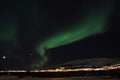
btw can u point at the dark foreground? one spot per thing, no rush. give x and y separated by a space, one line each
4 77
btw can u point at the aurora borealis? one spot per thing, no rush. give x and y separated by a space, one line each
94 23
34 33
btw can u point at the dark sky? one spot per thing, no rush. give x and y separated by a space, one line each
26 23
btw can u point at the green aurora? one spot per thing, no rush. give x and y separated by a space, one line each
8 31
95 22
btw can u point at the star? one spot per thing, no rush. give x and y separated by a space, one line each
4 57
31 54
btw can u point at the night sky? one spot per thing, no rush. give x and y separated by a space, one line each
35 33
